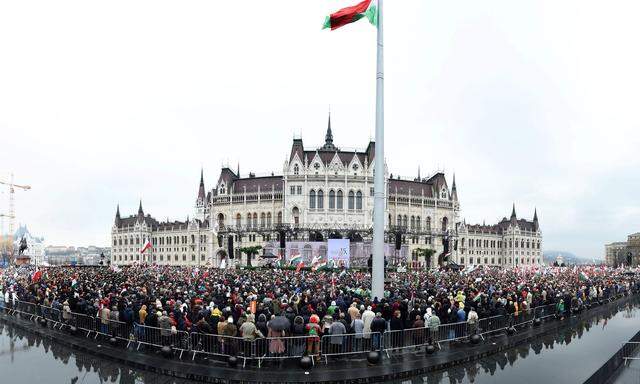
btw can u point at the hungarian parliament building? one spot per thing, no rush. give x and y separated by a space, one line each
324 193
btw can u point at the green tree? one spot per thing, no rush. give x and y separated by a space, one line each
250 251
427 253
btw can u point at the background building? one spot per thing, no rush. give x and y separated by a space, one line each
511 242
323 192
68 255
627 253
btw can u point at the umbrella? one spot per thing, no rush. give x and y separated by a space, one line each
279 323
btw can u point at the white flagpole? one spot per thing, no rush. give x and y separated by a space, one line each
377 278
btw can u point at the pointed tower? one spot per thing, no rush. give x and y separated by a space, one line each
140 213
454 190
238 170
201 195
513 219
117 221
536 226
328 138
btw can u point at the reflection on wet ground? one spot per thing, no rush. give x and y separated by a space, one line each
568 356
630 375
27 358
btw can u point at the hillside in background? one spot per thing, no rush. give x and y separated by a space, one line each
569 258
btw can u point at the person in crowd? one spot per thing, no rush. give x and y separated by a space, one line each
211 301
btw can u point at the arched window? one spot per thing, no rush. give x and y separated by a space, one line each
320 199
220 220
263 219
295 212
312 199
339 204
279 219
269 219
405 221
418 223
413 222
445 222
255 220
249 220
399 222
296 169
359 200
238 220
332 199
350 200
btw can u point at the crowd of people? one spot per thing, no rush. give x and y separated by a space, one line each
273 303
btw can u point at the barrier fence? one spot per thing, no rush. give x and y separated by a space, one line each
286 347
630 350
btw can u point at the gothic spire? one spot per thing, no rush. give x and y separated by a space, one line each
201 188
238 171
513 212
140 212
454 190
419 179
535 218
328 138
118 215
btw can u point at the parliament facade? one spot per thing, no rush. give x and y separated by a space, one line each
323 193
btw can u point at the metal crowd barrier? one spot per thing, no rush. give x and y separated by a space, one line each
545 311
215 345
285 347
406 338
492 324
521 318
159 337
450 332
351 343
630 350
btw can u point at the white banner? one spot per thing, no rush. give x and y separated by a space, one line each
338 253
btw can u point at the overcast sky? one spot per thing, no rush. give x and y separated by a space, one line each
529 102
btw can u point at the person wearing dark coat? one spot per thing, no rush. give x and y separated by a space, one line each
397 325
378 326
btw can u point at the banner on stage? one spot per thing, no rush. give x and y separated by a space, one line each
338 253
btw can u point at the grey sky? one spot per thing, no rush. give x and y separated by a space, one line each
533 102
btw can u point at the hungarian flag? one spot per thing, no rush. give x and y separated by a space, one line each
300 265
583 276
365 8
146 246
318 265
74 283
295 259
36 276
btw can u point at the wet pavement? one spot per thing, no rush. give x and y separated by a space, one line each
568 356
630 374
27 358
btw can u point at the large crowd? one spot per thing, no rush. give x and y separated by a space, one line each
251 304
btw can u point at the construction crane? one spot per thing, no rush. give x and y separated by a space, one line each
12 210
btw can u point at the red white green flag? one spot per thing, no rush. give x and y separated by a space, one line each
365 8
